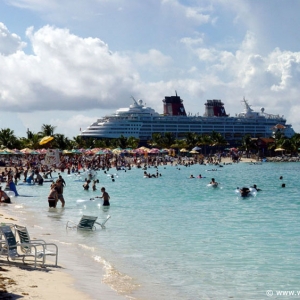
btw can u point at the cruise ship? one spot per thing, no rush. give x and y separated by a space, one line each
141 122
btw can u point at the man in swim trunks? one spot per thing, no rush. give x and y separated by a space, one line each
105 197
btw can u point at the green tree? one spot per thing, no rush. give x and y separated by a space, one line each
133 142
191 139
8 138
47 130
62 142
78 142
247 144
156 140
121 142
168 140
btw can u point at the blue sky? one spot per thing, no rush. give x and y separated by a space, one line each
66 63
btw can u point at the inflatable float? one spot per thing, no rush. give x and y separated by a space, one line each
246 192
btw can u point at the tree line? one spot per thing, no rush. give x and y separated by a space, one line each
158 140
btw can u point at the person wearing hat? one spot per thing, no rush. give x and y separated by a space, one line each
3 195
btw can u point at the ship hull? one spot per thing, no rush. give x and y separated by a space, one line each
143 128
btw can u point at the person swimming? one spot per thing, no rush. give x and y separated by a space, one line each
255 187
244 191
213 182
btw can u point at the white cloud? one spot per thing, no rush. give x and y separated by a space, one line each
194 14
65 72
188 41
38 5
9 42
152 58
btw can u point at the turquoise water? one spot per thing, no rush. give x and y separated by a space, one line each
176 238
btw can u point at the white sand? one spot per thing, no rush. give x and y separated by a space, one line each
23 281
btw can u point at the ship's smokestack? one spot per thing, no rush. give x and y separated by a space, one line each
173 106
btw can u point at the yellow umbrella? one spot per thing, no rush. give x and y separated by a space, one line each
194 152
46 139
279 149
184 150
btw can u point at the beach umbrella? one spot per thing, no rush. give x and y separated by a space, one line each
42 151
4 152
164 151
95 150
145 149
26 150
67 152
196 148
138 151
117 150
46 139
100 152
154 151
183 150
279 149
17 151
34 152
234 149
194 152
76 151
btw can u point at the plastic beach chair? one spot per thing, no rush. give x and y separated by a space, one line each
87 223
25 239
11 247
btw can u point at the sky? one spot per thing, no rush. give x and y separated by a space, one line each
66 63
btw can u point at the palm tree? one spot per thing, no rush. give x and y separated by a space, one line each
62 142
121 142
168 140
8 138
34 141
247 144
204 140
78 142
217 139
133 142
191 139
47 130
156 140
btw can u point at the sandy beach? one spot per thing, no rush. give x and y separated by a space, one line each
23 281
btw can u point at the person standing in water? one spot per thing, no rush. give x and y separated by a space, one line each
105 197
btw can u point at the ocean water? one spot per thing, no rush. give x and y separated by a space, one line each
174 237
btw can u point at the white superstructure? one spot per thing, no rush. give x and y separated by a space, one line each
141 122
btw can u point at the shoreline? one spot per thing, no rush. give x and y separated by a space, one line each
20 280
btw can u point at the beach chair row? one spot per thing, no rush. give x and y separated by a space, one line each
15 241
25 247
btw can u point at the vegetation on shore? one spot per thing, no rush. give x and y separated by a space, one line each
214 140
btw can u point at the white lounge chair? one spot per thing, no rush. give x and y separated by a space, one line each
25 239
87 223
10 249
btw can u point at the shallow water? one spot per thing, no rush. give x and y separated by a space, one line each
176 238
